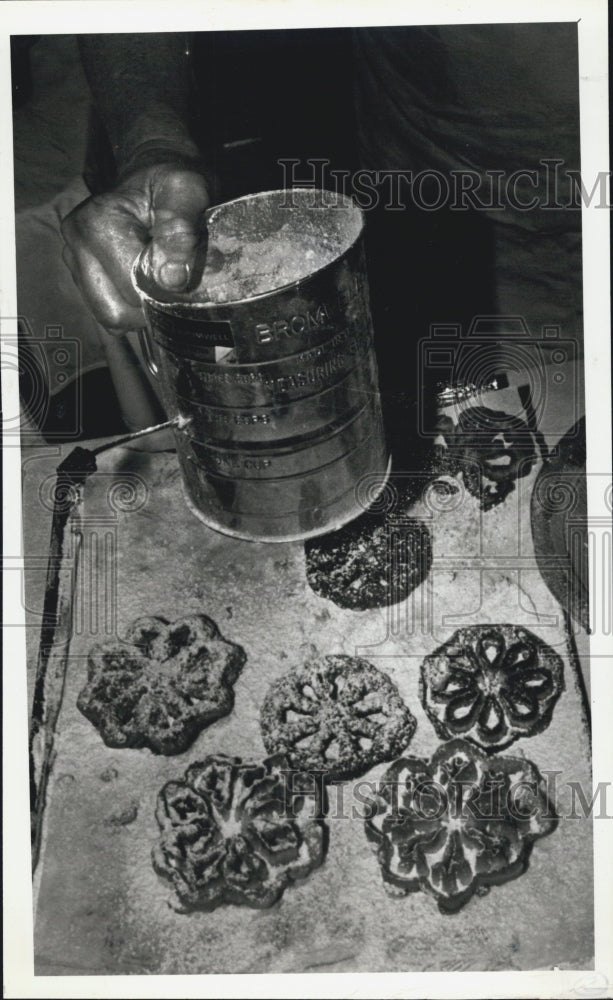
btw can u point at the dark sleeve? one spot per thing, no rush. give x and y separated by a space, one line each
140 89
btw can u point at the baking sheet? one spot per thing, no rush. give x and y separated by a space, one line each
100 908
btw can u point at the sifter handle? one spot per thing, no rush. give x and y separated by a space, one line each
145 345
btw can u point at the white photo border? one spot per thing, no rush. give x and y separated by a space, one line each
79 16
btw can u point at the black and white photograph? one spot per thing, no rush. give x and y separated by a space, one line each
307 560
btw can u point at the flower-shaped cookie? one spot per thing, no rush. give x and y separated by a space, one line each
162 685
491 684
493 450
238 832
369 563
456 824
339 715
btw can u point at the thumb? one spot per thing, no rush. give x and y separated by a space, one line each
178 231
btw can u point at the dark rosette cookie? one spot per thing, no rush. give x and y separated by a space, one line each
491 684
162 685
493 450
456 824
238 832
338 714
372 562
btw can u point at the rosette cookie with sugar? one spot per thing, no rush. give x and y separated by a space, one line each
240 832
338 715
372 562
491 684
162 685
493 450
456 824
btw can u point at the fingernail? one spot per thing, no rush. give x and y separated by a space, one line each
174 275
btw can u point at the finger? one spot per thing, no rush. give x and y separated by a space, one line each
179 203
171 254
178 253
180 194
104 230
101 295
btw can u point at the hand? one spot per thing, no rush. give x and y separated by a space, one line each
104 235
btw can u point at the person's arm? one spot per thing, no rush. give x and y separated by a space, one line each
140 87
